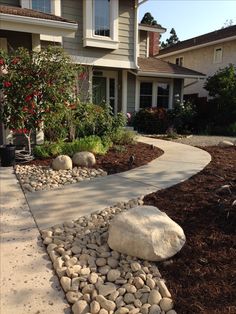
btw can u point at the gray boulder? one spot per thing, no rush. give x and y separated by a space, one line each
147 233
84 159
62 162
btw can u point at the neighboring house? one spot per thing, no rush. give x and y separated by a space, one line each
117 51
206 53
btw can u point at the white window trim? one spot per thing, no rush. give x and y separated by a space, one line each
92 40
221 57
155 82
56 10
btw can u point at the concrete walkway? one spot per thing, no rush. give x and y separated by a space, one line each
178 163
28 284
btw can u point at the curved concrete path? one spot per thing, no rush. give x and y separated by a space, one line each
177 164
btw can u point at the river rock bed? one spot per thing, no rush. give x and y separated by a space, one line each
35 178
99 280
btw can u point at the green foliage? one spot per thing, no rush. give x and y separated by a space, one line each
123 137
93 144
151 120
222 87
36 86
97 120
148 19
182 117
171 41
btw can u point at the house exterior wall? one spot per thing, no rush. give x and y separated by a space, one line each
143 44
202 60
14 3
73 10
131 93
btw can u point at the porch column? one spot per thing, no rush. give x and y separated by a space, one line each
90 91
36 46
124 91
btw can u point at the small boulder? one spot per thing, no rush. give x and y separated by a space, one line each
147 233
84 159
62 162
225 144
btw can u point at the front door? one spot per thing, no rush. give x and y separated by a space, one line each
105 88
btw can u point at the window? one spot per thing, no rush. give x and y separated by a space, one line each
100 27
145 95
42 5
179 61
163 95
102 17
218 55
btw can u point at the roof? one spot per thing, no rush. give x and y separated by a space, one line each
32 13
163 68
152 27
201 40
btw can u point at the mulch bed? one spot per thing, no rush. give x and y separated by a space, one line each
202 277
117 159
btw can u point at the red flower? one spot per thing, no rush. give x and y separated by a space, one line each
7 84
15 60
25 109
28 98
2 62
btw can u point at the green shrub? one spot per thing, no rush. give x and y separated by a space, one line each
182 117
93 144
123 137
97 120
151 120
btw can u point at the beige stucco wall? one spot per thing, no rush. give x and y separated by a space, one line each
201 60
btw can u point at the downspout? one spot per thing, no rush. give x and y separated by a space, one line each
136 46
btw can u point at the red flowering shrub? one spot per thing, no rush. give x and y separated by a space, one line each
35 85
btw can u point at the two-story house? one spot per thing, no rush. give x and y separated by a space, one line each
117 51
206 53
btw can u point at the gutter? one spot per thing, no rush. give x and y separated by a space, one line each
38 21
172 75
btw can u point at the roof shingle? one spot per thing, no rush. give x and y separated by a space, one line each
154 65
200 40
32 13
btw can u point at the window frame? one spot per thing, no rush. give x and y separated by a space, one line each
215 58
155 82
151 95
179 61
89 37
50 4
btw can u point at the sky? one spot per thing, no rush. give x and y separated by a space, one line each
190 18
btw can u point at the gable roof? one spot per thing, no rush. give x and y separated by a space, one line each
32 13
156 67
206 39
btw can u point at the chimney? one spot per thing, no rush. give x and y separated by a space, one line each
153 43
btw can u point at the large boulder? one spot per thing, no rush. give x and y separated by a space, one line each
225 144
147 233
62 162
84 159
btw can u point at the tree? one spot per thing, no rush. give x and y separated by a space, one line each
148 19
227 23
35 86
222 87
172 40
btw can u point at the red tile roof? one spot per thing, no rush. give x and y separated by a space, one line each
32 13
200 40
154 65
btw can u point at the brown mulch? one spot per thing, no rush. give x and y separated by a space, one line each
202 276
117 159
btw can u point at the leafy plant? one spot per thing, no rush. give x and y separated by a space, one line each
36 86
123 137
151 120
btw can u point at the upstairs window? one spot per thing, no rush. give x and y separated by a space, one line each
42 5
102 17
218 52
179 61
